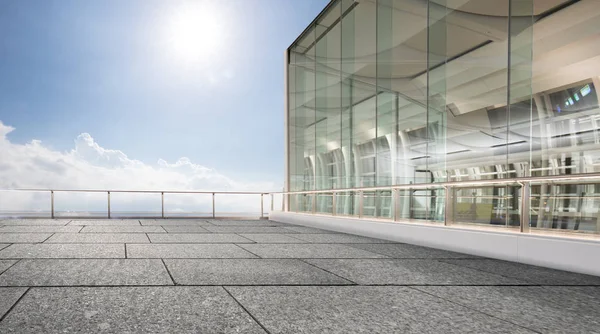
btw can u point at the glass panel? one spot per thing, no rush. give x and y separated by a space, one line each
124 205
498 206
25 204
81 204
325 203
565 207
347 203
188 205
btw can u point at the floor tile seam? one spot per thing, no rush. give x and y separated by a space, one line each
48 238
475 310
148 237
168 272
125 247
241 236
14 305
257 256
12 265
327 271
416 286
482 270
246 310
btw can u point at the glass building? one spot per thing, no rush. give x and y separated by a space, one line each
442 95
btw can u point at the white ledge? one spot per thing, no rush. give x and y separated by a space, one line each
558 252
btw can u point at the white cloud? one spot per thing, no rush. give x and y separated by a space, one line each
90 166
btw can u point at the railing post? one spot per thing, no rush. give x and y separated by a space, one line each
272 202
213 205
448 205
361 202
108 199
525 202
396 204
333 203
52 204
262 206
314 203
162 204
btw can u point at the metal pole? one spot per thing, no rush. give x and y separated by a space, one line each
262 204
525 202
333 204
360 204
314 203
396 206
162 204
448 205
213 204
272 202
52 203
108 192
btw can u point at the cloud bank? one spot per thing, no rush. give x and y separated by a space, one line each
91 166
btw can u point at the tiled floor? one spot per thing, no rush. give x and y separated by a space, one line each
203 276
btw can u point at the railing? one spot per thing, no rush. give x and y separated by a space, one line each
566 203
569 203
256 205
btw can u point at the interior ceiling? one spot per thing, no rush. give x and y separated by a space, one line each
497 7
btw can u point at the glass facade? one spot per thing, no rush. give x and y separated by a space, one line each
399 92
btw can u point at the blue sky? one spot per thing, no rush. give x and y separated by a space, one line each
103 67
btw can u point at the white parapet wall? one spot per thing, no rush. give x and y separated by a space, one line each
558 252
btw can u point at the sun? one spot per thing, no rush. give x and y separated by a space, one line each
195 33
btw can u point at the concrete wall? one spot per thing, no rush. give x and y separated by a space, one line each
558 252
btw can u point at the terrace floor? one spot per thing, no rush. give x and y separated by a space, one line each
225 276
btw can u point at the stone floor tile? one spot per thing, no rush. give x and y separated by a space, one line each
249 272
408 272
406 251
186 251
191 238
123 229
185 229
65 251
5 264
307 251
14 238
327 238
34 222
97 238
362 309
532 274
304 229
74 272
40 229
543 309
129 310
8 297
105 222
273 238
248 229
174 222
222 222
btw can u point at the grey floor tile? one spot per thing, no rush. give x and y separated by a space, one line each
8 297
191 238
362 309
5 264
273 238
543 309
73 272
304 229
129 310
174 222
247 229
186 251
123 229
406 251
40 229
337 238
34 222
65 251
408 272
14 238
249 271
533 274
97 238
105 222
307 251
222 222
185 229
